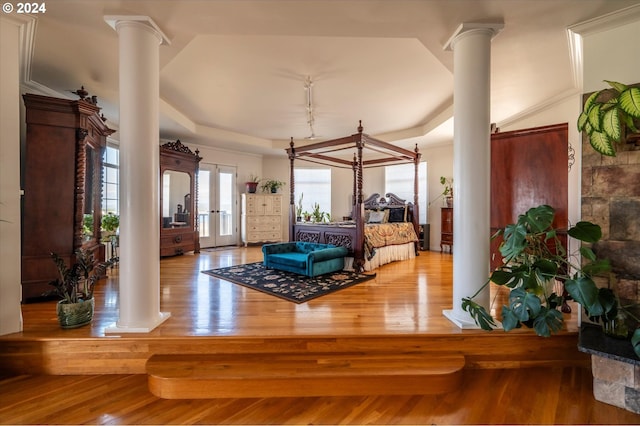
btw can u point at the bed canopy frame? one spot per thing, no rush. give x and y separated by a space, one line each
328 153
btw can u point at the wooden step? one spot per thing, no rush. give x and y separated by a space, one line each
192 376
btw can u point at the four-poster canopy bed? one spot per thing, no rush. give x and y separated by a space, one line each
394 234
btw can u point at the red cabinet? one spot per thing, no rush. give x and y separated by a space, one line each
446 228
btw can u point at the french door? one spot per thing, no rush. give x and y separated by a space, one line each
217 205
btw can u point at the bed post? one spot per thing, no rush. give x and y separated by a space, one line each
358 250
416 206
354 167
292 206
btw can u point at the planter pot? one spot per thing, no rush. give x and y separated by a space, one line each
251 187
72 315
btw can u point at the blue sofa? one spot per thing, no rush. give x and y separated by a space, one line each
310 259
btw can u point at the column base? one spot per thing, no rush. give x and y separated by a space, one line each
115 328
464 320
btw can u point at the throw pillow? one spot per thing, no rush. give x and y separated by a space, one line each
397 214
376 217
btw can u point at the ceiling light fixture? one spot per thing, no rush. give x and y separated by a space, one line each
308 86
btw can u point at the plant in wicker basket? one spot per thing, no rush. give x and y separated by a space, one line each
75 286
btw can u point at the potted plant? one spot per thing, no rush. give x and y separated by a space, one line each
74 287
252 183
607 112
109 225
534 258
447 191
317 215
272 185
299 208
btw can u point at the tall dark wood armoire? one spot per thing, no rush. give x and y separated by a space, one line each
529 167
62 183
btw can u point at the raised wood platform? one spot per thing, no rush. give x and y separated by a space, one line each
399 313
129 354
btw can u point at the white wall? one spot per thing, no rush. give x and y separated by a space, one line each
611 55
10 288
439 163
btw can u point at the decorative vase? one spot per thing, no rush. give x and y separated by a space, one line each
72 315
252 187
449 201
274 190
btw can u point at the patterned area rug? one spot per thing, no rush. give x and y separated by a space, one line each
287 285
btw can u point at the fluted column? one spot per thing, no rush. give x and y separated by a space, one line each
471 45
139 285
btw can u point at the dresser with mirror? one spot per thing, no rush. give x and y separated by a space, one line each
178 199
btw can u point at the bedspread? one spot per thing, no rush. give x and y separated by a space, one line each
387 234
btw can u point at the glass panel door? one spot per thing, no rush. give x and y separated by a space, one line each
217 205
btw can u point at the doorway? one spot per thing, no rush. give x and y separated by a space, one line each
217 205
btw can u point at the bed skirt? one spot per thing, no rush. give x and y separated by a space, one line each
385 255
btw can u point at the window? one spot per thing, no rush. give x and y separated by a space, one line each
315 186
111 181
398 179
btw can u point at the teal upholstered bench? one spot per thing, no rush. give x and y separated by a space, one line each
310 259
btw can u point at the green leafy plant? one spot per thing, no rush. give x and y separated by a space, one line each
76 283
87 225
606 113
272 185
316 214
254 178
533 259
447 184
110 222
299 206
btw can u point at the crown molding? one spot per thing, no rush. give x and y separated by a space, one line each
607 22
575 34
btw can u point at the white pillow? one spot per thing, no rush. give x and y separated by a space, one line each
376 217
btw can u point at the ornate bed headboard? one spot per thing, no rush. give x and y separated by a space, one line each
389 201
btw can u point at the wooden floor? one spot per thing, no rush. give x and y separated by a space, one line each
402 305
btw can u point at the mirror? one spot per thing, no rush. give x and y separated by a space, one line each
176 199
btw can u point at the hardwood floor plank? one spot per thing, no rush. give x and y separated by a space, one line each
529 396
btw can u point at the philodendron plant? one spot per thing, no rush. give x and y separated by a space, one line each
533 259
607 112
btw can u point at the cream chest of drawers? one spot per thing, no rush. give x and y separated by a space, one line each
261 218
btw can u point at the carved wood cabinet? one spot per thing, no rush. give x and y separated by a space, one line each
62 183
178 199
446 228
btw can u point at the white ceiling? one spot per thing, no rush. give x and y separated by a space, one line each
233 73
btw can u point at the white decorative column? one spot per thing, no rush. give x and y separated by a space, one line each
139 285
14 29
471 45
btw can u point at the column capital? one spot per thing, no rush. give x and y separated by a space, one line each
143 21
491 28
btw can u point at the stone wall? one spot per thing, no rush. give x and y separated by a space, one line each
616 383
611 198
